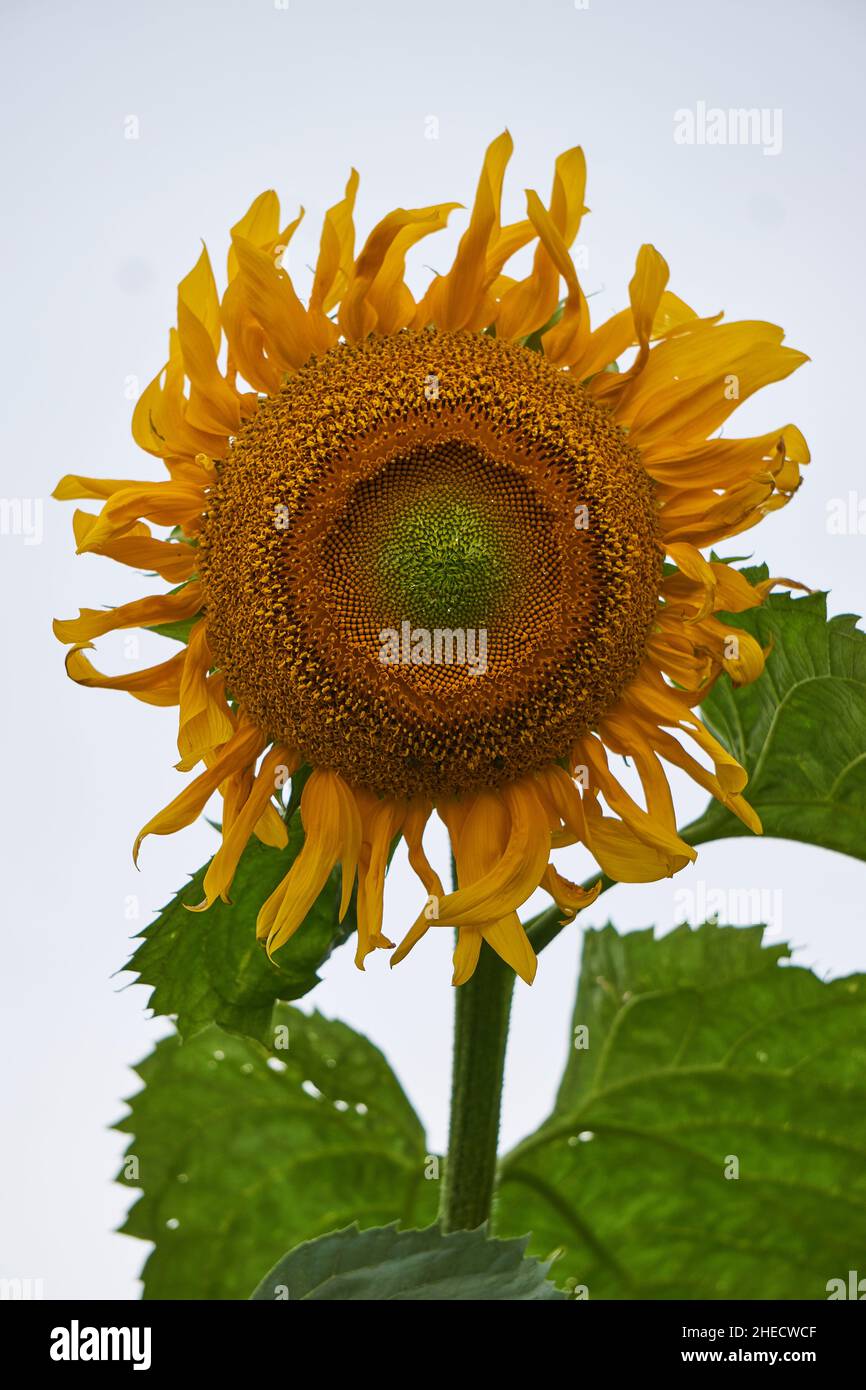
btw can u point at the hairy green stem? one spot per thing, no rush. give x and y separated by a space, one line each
482 1009
481 1012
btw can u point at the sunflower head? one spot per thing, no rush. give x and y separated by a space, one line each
470 575
443 553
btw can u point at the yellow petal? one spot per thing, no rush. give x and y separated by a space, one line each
223 866
243 750
259 225
167 504
382 256
197 292
571 897
531 302
689 560
387 295
174 561
453 299
205 721
271 298
336 251
623 856
692 383
645 292
380 826
417 815
501 842
567 340
247 342
214 404
159 421
648 828
511 944
157 685
143 612
73 486
332 835
270 828
515 870
466 954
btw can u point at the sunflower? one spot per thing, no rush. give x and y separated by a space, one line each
441 555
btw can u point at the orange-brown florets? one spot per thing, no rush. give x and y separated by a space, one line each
430 562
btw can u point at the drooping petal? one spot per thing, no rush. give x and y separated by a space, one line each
571 897
174 561
466 954
623 855
157 685
501 844
241 751
648 828
205 722
332 835
167 504
510 942
515 873
142 612
222 868
381 820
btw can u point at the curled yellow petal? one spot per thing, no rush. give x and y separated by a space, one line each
173 560
571 897
205 721
271 298
332 835
157 685
142 612
453 299
242 750
222 868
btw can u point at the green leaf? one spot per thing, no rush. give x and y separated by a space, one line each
703 1049
208 967
388 1265
242 1153
533 340
799 730
178 631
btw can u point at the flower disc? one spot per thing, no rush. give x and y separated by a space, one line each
431 562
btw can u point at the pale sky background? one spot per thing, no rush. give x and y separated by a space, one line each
235 96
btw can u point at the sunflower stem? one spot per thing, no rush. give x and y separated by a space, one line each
481 1013
482 1010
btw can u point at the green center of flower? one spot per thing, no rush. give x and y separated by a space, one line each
442 565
